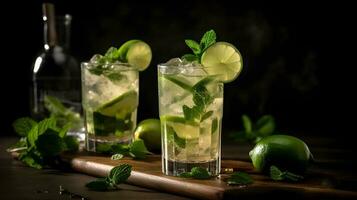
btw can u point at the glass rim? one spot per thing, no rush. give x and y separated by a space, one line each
188 65
117 66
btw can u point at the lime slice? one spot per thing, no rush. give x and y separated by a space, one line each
183 129
223 59
136 53
120 106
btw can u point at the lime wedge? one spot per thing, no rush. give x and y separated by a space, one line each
223 59
136 53
183 129
120 106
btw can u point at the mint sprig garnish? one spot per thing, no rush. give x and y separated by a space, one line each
136 149
278 175
100 64
207 40
117 175
42 141
239 178
196 173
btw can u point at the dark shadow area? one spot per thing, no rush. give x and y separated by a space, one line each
293 53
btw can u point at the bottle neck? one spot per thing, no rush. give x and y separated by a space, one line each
49 19
56 28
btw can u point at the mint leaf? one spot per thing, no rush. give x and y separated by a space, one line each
247 123
196 173
194 46
206 115
265 126
239 178
117 156
22 126
138 149
112 54
185 175
117 175
32 136
71 143
115 77
174 139
120 174
277 175
193 113
200 173
30 161
207 40
189 57
63 132
49 143
46 124
214 125
99 185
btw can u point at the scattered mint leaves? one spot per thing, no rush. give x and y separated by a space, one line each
23 125
207 40
49 143
277 175
253 132
117 175
43 142
117 156
71 143
196 173
239 178
136 149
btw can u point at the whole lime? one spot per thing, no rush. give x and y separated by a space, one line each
285 152
149 130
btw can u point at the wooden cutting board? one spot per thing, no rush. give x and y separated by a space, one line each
147 173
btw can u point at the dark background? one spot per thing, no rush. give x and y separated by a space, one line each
295 54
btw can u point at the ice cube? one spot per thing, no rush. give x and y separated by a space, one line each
96 58
174 62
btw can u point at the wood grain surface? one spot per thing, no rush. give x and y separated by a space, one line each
147 173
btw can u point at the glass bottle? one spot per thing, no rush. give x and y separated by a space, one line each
55 72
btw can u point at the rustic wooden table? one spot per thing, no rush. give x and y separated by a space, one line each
335 158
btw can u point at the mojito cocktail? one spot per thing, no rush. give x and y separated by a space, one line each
191 105
191 108
110 94
110 105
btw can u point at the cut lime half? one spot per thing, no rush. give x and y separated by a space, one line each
222 59
136 53
183 129
121 105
